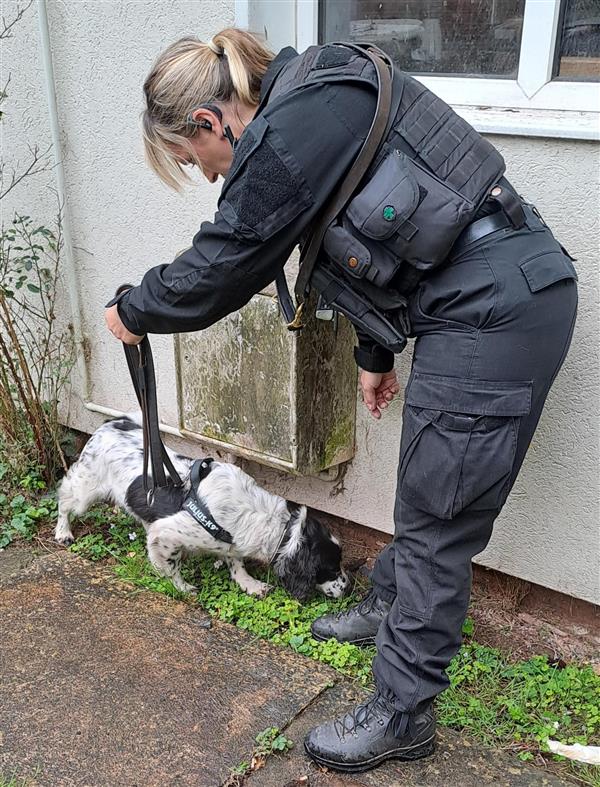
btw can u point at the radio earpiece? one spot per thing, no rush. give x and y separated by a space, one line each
208 125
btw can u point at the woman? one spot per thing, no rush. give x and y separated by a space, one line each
492 323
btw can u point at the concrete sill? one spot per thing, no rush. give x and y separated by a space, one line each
532 122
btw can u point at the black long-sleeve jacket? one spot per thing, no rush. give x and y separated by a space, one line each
287 163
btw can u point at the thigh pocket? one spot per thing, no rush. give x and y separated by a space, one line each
547 268
459 442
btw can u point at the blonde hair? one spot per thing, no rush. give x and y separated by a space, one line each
228 67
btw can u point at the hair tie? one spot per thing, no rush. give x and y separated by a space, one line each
215 48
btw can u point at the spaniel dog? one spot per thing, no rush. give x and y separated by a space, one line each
262 526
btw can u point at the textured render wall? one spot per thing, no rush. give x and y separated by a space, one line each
549 531
124 221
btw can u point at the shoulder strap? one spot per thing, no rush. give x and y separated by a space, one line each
383 65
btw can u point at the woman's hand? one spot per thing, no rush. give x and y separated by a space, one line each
116 327
378 390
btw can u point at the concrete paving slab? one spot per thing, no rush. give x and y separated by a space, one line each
457 762
104 685
15 559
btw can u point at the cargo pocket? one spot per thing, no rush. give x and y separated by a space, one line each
459 442
547 268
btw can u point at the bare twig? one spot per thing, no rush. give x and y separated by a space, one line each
35 358
6 27
39 163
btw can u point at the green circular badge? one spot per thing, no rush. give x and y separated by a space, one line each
389 213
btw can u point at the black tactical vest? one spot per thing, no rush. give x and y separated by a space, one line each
428 180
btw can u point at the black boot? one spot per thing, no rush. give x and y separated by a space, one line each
371 734
358 624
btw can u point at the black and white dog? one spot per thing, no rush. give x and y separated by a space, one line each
263 526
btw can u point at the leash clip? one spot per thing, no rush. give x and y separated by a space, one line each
296 324
150 497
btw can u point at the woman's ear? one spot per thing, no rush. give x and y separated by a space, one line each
207 116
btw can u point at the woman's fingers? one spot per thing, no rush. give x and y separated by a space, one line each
370 400
117 328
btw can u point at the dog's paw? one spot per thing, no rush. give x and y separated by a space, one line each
258 589
185 587
64 539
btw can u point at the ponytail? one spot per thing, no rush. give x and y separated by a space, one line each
229 68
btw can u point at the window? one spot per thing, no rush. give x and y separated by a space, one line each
510 66
578 49
452 37
527 67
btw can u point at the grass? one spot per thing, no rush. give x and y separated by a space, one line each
513 706
268 742
14 781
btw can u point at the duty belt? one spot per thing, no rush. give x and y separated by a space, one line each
502 220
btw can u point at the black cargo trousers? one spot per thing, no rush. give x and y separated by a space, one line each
492 329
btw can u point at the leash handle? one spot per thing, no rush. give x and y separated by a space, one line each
141 369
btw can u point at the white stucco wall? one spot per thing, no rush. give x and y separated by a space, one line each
124 221
549 531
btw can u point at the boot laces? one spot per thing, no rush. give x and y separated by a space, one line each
359 717
363 608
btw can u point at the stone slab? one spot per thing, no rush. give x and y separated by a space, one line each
104 685
457 762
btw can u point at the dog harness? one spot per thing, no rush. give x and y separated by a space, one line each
199 510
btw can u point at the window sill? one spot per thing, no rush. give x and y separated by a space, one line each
532 122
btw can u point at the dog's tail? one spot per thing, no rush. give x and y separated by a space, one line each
135 416
131 420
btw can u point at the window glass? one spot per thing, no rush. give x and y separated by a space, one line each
579 41
462 37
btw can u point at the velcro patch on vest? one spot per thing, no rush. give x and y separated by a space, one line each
332 56
266 193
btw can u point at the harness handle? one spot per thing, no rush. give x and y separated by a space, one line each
141 369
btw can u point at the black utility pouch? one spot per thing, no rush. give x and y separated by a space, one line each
389 327
406 214
364 243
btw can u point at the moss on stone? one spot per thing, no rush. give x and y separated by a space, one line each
340 440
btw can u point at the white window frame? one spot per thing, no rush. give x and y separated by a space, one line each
533 104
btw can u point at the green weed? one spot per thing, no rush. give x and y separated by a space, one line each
268 742
271 741
22 510
13 781
524 702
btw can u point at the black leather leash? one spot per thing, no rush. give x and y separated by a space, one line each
141 368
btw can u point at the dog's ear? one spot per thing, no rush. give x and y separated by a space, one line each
299 573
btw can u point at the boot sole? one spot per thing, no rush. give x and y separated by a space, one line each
365 641
409 753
